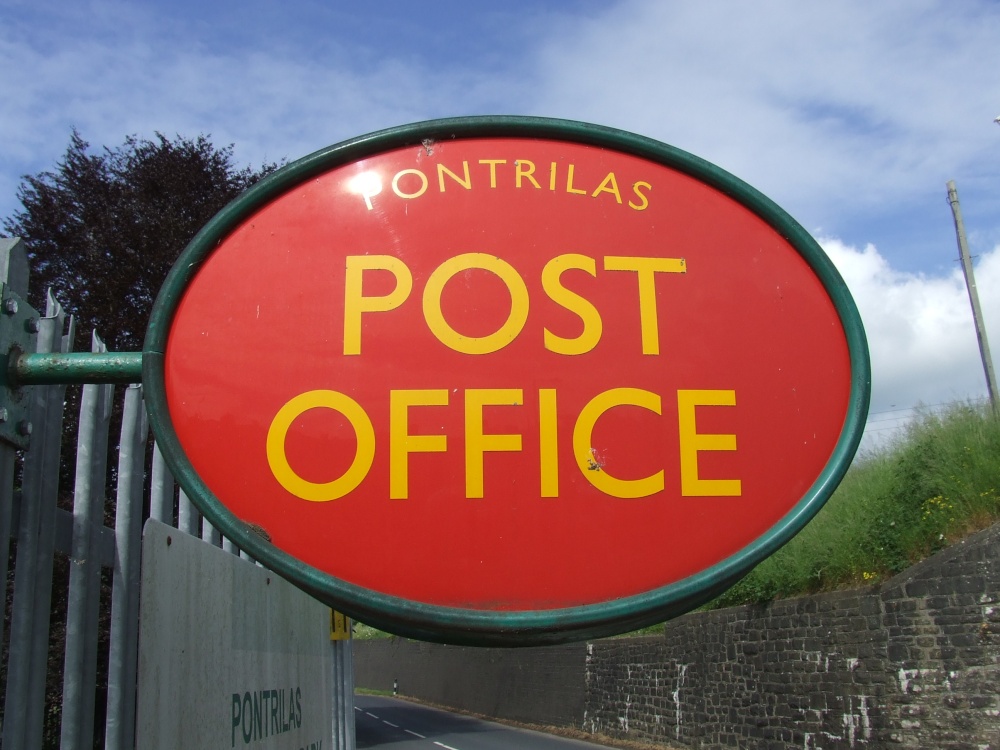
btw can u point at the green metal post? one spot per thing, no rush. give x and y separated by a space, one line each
75 368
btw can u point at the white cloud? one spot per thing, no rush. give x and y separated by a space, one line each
920 329
838 111
113 69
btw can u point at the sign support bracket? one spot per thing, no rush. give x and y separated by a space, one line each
20 366
74 368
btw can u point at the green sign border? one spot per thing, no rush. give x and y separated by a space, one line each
506 628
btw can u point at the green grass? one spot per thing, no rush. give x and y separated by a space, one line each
937 484
367 632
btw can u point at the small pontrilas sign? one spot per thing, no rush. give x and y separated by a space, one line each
507 380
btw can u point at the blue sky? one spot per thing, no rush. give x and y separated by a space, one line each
852 115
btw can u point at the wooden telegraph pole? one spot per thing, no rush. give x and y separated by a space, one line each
970 283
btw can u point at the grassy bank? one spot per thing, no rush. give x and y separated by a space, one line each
937 484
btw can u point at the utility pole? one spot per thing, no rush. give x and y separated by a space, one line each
970 283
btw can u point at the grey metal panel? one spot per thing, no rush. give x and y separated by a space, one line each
218 634
120 724
25 697
80 670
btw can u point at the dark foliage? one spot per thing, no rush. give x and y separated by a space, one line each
102 230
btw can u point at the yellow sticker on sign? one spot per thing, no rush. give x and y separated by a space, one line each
340 626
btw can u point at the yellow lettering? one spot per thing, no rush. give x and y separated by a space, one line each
356 303
476 441
552 284
583 450
646 268
402 443
320 492
640 195
524 168
469 344
367 185
691 443
465 181
493 169
423 183
569 181
552 176
548 439
609 185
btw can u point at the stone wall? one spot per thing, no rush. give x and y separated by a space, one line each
544 685
914 663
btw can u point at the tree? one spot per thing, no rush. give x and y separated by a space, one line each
103 230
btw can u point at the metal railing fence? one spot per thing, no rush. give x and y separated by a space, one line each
43 523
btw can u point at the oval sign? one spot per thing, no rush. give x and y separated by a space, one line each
506 380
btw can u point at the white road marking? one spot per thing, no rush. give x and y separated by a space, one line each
408 731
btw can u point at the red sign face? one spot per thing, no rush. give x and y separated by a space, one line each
507 374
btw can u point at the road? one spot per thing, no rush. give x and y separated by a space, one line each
400 725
